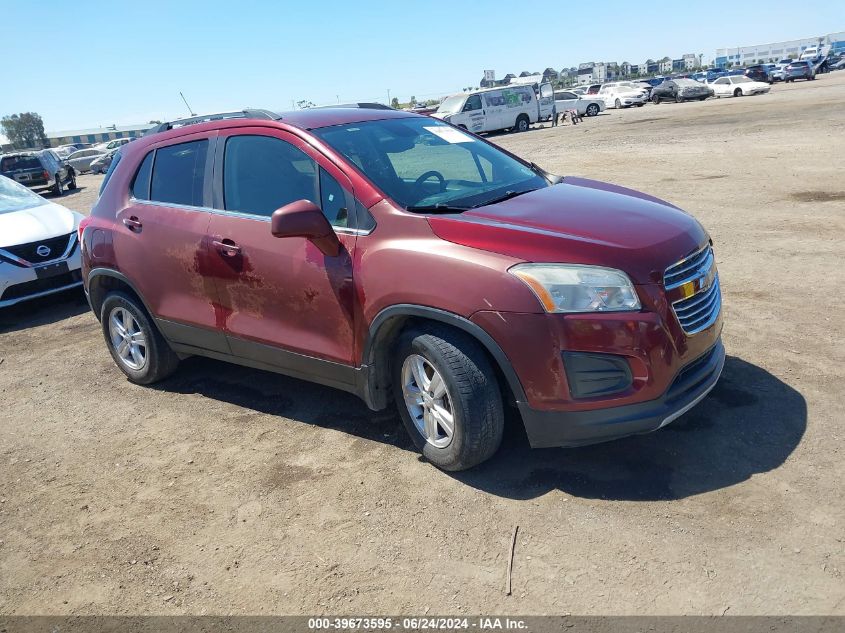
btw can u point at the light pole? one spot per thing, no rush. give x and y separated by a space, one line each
388 97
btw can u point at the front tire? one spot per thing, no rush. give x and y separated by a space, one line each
738 92
617 104
448 397
72 184
655 100
135 343
58 189
592 109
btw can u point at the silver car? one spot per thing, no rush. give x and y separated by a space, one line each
100 165
81 160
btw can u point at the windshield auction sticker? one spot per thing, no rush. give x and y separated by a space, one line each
449 134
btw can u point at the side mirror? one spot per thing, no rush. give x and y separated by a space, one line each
305 219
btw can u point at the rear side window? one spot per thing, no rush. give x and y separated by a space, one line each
261 174
179 173
112 166
141 183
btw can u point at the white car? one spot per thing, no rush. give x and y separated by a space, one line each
38 245
586 106
622 94
738 86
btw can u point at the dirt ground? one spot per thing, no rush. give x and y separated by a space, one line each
227 490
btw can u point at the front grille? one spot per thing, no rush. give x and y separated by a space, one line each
29 252
35 286
700 310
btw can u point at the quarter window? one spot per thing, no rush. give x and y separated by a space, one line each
179 173
261 174
141 183
333 200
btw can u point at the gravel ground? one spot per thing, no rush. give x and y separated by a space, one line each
228 490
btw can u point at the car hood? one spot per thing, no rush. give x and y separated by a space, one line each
581 221
37 223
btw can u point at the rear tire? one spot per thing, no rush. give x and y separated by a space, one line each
459 388
522 123
72 184
135 343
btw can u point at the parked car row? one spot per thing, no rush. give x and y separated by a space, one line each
38 170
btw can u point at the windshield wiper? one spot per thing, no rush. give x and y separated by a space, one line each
505 196
440 207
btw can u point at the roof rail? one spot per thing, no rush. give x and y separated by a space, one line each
362 105
239 114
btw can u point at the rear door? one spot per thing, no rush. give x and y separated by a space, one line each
546 100
160 240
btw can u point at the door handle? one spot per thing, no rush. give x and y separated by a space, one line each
132 223
227 247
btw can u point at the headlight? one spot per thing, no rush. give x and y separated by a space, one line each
575 288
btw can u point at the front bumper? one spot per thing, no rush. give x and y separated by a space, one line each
578 428
18 283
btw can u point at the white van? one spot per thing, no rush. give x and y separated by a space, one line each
507 107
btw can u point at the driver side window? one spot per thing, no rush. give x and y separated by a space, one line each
473 103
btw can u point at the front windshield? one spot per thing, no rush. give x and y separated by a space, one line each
421 162
15 197
451 105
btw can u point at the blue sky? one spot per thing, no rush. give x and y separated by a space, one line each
93 63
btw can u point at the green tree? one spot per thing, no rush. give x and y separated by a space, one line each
24 130
154 122
394 102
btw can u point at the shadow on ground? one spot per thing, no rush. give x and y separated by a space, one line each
750 423
67 193
43 311
274 394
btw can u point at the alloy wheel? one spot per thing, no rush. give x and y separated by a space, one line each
127 339
428 401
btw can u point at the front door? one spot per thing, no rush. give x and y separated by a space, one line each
476 117
161 239
282 301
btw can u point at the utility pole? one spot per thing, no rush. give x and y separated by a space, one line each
388 97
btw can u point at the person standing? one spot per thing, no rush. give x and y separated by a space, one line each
554 114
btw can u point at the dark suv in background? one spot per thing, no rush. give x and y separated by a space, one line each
401 259
38 169
759 72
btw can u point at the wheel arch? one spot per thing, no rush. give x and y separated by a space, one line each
101 281
391 321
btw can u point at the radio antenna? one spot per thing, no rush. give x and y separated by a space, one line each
190 111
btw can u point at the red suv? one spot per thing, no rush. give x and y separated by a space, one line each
399 258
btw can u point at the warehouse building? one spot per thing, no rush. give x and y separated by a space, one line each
97 135
744 55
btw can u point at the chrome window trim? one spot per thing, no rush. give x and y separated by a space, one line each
237 214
